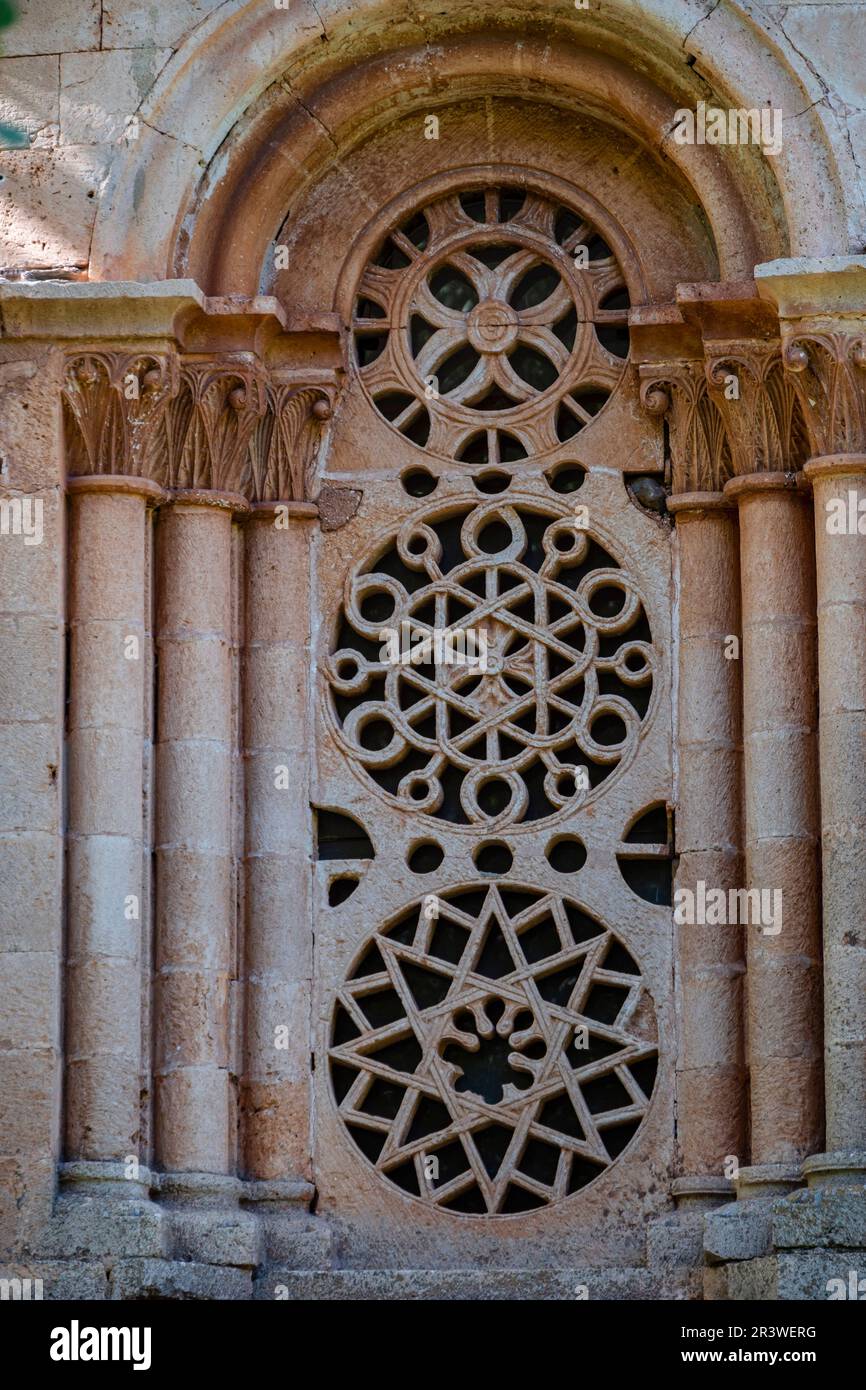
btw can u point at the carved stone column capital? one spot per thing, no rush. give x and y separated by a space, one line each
195 423
209 422
113 403
827 371
822 311
284 445
700 455
753 393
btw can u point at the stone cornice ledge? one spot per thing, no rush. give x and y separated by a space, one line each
86 309
834 286
66 312
162 382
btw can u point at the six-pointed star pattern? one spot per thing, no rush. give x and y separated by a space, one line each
569 673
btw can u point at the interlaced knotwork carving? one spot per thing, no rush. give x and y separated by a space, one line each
555 707
483 333
493 1049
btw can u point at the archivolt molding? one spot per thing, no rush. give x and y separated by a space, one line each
189 121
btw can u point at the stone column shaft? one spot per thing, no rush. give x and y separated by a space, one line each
194 1121
710 1085
841 584
104 858
781 800
278 938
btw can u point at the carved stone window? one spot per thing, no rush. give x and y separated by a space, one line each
491 324
494 980
494 1051
565 684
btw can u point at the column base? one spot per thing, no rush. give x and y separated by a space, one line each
112 1179
290 1235
206 1222
765 1180
743 1230
675 1243
102 1210
701 1193
810 1244
840 1168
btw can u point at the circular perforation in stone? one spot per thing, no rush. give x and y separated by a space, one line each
493 1050
491 325
554 699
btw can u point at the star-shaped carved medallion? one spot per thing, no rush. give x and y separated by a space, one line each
493 1050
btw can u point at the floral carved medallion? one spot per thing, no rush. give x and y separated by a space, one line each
491 325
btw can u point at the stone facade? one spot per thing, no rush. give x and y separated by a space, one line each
328 331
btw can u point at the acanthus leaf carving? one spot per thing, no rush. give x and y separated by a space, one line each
209 423
759 407
193 422
113 403
284 444
828 374
700 452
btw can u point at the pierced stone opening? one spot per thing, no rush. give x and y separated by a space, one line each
418 482
493 857
541 694
425 857
498 303
646 858
493 1050
339 889
566 854
339 836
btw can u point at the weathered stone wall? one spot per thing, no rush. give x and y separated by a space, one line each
74 75
181 140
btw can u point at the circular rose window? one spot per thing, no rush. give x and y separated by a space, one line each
491 325
493 1050
493 664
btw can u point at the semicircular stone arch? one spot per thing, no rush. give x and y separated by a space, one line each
213 153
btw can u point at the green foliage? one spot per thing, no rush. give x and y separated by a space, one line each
9 136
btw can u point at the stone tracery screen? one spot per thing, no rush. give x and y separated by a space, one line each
566 678
491 325
492 980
